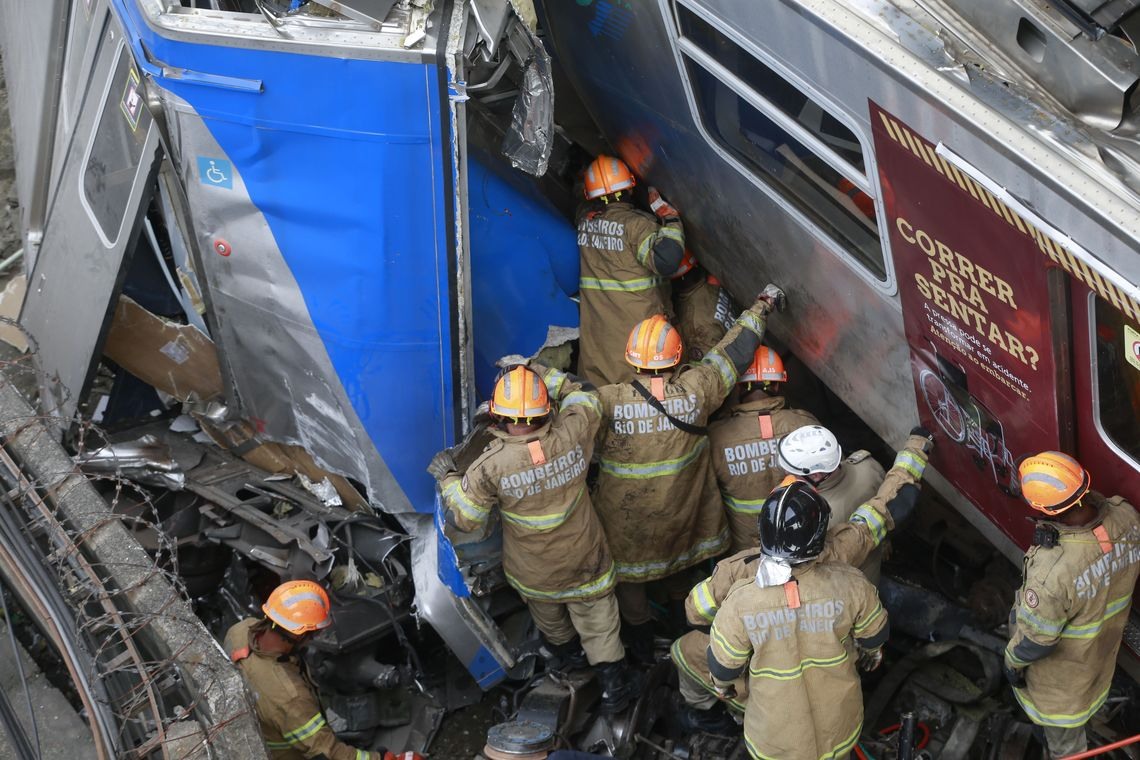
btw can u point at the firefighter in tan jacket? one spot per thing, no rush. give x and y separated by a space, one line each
797 629
703 308
1069 616
813 453
627 256
264 651
848 543
656 492
554 550
744 444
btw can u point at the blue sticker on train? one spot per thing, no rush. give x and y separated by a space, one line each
216 172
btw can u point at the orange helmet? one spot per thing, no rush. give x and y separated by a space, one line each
653 344
606 175
520 394
1052 482
688 261
766 366
298 607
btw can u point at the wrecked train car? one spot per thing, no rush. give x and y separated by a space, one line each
294 228
948 191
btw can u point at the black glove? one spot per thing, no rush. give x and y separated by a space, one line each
922 432
1015 677
442 465
903 505
869 660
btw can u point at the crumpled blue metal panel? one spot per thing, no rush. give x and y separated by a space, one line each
345 162
524 266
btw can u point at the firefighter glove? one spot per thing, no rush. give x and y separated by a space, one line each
1015 676
921 432
870 659
661 207
772 295
442 465
724 690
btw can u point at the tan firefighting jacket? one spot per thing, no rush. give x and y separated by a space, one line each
291 719
618 286
1069 616
744 459
804 698
858 477
849 543
656 491
553 546
704 315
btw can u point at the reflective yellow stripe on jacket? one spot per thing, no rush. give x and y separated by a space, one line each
306 730
744 506
626 286
641 470
791 674
597 587
544 522
911 462
1061 720
704 601
874 521
678 656
1092 630
707 548
453 496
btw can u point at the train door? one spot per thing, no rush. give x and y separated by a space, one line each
1106 351
94 216
985 316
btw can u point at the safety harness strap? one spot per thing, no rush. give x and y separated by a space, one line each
679 424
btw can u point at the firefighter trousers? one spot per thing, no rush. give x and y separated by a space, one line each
1065 741
595 621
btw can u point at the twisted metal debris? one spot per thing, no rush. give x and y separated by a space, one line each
152 681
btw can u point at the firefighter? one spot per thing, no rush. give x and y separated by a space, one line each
744 444
554 551
656 491
265 651
814 454
791 629
627 256
703 308
849 542
1069 616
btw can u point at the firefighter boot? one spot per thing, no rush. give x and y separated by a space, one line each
640 636
620 684
564 658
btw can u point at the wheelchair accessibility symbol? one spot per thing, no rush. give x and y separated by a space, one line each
216 172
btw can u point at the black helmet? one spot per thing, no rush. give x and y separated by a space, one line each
793 522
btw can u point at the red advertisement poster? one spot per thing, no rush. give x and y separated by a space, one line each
972 282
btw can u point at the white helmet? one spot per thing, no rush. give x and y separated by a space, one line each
809 450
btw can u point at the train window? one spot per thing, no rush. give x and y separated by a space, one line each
1118 377
114 155
788 141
